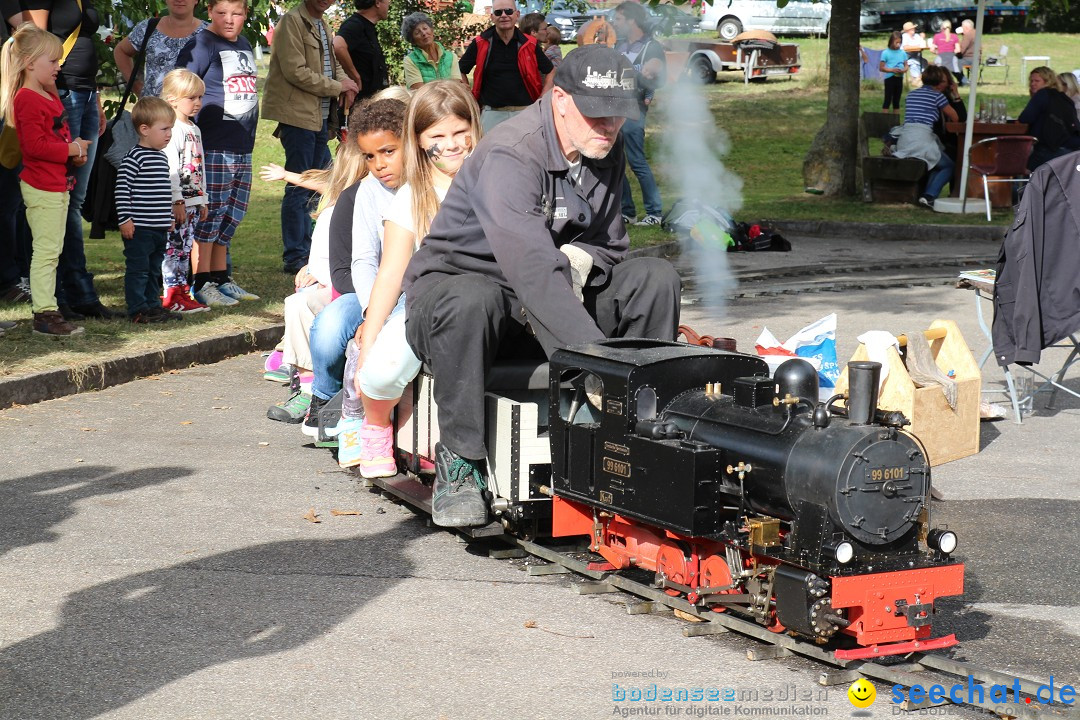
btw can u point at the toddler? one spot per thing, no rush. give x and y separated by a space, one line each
144 210
183 90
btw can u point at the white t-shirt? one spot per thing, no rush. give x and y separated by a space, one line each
400 210
319 257
912 39
186 173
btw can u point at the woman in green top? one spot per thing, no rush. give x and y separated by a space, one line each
428 60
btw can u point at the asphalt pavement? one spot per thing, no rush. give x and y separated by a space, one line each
156 561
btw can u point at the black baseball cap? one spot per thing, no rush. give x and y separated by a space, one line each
602 82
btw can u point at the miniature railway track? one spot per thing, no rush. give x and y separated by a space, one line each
841 277
916 669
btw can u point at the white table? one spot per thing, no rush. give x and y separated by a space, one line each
1036 59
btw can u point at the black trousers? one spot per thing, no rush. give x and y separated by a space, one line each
460 326
894 88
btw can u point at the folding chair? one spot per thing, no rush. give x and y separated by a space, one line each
1008 163
1001 60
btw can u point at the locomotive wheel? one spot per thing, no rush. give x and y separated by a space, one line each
673 563
715 572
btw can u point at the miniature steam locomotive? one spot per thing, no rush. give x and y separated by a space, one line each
739 491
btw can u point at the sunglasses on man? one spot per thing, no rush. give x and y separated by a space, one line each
502 11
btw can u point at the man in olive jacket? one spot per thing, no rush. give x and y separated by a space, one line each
302 87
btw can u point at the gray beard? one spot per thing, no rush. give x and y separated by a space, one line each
591 154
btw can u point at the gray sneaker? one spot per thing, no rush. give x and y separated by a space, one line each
291 411
210 295
457 498
231 289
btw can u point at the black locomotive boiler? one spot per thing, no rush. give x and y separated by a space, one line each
743 493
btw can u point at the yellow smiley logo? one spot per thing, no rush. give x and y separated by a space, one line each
861 693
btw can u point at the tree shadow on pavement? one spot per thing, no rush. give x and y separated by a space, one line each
35 503
121 640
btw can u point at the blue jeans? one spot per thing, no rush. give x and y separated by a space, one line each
143 254
939 175
304 150
633 132
15 242
333 328
75 284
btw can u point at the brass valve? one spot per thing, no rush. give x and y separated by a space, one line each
742 469
789 399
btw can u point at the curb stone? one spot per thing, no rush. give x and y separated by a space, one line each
52 384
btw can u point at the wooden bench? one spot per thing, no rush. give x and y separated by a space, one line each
887 179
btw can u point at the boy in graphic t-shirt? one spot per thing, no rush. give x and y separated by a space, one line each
228 118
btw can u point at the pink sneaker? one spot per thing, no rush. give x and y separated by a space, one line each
377 453
273 361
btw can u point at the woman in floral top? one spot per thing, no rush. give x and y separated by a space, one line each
172 33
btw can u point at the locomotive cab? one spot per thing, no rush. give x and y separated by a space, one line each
610 445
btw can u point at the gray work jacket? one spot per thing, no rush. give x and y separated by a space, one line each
1037 293
510 208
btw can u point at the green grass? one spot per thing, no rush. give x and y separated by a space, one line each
771 125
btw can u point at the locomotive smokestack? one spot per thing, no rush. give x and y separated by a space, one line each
862 391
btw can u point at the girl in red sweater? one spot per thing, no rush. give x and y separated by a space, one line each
29 63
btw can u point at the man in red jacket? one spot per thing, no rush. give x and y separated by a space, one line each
512 70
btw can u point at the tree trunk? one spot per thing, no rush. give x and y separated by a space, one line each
830 163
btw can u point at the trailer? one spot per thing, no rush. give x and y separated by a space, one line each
756 54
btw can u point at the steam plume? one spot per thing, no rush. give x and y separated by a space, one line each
692 146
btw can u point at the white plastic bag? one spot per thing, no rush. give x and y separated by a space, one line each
816 341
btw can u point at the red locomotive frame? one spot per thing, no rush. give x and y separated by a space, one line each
879 606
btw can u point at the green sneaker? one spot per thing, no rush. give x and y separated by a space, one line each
291 411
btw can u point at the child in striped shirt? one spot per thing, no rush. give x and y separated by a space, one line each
145 220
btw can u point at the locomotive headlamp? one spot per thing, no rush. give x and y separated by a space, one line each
843 551
942 540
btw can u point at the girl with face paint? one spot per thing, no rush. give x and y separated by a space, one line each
442 126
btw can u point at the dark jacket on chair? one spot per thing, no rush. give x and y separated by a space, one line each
1037 293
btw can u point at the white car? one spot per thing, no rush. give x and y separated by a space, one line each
798 17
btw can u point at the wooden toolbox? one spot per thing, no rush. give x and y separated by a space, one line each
948 434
